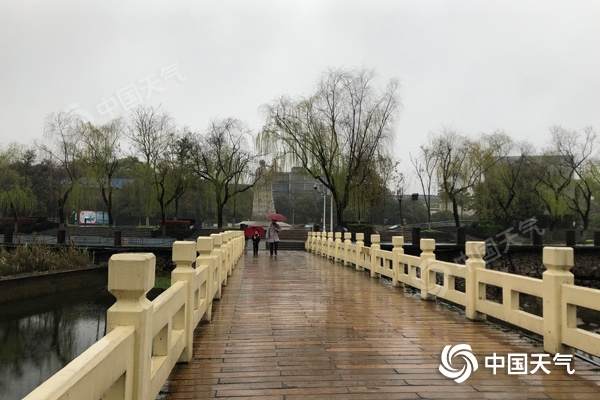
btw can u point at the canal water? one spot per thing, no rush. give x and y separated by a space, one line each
38 337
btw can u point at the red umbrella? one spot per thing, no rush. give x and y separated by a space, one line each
249 231
276 217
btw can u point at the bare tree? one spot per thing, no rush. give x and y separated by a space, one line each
62 147
222 157
153 135
335 133
575 151
425 168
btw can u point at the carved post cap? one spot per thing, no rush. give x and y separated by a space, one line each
360 236
218 239
428 245
330 235
558 258
375 239
338 235
348 235
131 272
205 244
398 241
184 252
475 249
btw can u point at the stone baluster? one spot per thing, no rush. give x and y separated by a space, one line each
475 253
558 261
184 255
130 277
375 247
220 260
347 244
330 243
397 252
338 247
228 261
427 277
359 246
206 259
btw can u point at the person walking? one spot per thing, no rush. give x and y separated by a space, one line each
273 236
255 241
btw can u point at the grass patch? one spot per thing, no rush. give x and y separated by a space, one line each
39 258
162 282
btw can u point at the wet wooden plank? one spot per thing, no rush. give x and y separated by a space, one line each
297 326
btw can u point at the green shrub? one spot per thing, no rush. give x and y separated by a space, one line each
36 258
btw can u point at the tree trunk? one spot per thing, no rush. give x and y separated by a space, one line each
220 215
455 212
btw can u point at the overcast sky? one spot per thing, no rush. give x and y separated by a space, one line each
478 66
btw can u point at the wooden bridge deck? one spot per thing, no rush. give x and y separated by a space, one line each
298 327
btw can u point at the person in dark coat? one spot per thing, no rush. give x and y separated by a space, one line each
255 241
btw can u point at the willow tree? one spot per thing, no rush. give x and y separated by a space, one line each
335 133
576 151
101 154
62 148
497 197
16 193
462 162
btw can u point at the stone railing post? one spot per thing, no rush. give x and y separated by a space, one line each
330 253
475 253
558 261
205 247
427 255
220 260
375 247
226 247
130 277
347 244
184 254
307 243
397 251
360 237
323 245
338 247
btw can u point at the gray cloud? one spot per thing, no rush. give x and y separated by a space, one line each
520 66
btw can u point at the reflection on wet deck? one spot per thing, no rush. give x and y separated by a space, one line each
298 327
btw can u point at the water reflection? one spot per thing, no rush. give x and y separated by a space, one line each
38 337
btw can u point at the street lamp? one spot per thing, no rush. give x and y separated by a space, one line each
324 194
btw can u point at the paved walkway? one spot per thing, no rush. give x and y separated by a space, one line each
298 327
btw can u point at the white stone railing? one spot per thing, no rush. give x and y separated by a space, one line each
146 339
560 297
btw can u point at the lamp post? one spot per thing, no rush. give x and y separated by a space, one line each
324 194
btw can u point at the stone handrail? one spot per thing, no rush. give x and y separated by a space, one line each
560 297
146 339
